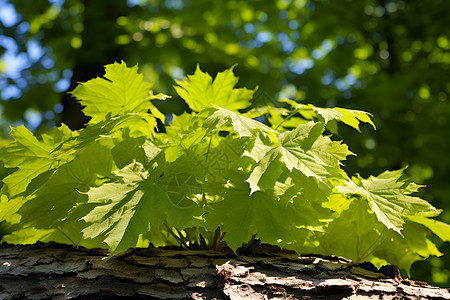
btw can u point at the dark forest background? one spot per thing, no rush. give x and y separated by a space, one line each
388 57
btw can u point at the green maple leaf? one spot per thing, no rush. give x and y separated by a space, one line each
293 152
9 208
108 132
67 233
441 229
184 134
44 213
200 91
68 182
184 124
388 197
218 159
243 216
404 251
330 152
244 126
139 149
356 233
353 117
303 190
31 235
31 156
353 233
124 210
122 90
348 116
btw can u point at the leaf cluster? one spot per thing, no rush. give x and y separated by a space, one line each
214 173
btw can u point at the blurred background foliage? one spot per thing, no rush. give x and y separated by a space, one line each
388 57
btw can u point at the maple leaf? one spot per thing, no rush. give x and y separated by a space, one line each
441 229
108 132
139 149
200 91
348 116
59 146
184 134
353 117
242 125
68 182
330 152
293 152
352 233
358 235
243 216
388 197
31 156
122 90
124 210
404 251
44 214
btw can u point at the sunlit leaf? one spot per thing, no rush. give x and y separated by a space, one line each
200 91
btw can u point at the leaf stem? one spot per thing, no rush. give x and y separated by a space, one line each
369 250
209 148
207 153
218 236
357 246
179 239
68 237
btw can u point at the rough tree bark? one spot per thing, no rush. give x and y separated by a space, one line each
50 271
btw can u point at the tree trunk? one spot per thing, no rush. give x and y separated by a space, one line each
51 271
98 49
